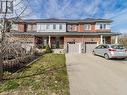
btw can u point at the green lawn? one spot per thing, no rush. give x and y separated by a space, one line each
47 76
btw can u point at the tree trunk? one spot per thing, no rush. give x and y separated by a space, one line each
1 66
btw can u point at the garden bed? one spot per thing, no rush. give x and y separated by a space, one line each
18 63
47 76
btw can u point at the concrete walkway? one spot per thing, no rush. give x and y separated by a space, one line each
93 75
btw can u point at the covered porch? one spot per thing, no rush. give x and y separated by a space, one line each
106 39
59 40
55 42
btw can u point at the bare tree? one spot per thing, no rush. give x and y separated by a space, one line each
6 20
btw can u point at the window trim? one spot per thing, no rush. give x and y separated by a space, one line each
87 26
34 27
14 26
47 26
29 27
54 26
72 27
103 26
60 26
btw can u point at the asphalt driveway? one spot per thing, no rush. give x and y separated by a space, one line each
93 75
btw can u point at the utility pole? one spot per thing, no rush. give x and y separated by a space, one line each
1 64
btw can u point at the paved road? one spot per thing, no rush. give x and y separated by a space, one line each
93 75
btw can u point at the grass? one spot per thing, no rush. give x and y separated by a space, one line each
47 76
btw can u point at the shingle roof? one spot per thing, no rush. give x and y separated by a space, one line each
66 20
54 20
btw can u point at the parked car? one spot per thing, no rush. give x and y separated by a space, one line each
109 51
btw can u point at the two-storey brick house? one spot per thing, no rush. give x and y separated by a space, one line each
80 35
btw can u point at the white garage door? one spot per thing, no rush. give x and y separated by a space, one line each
74 47
89 46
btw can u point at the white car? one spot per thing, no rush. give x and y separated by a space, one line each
111 51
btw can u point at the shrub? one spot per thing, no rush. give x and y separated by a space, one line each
44 47
48 49
11 85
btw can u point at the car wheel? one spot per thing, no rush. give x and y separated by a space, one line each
106 56
93 53
123 58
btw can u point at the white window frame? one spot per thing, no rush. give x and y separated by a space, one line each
103 26
87 26
41 27
14 26
48 26
74 27
34 27
29 27
69 28
54 26
60 26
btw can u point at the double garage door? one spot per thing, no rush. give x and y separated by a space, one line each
87 47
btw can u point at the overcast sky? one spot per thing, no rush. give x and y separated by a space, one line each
80 9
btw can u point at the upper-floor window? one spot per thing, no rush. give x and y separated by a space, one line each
102 26
54 26
48 26
69 28
72 27
29 27
41 27
34 27
60 27
87 26
14 26
51 27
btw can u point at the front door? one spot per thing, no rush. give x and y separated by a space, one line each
57 44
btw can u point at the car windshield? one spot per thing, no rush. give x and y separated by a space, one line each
117 47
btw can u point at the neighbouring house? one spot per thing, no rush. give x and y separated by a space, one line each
72 36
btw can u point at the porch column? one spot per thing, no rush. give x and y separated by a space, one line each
116 40
49 41
101 42
34 41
